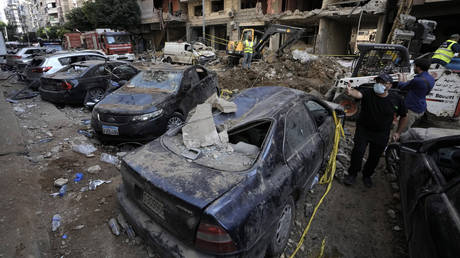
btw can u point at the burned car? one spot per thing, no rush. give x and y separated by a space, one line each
85 82
237 196
158 98
429 179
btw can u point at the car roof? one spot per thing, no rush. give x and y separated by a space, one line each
94 62
260 103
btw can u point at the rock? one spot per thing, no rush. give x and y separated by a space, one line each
94 169
395 186
200 131
397 228
56 149
79 227
391 213
223 136
225 106
60 182
36 159
19 109
248 149
47 155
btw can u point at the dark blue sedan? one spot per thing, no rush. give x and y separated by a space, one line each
236 201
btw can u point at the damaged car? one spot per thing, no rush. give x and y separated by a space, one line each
158 98
85 82
427 163
225 184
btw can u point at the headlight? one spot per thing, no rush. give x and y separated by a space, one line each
148 116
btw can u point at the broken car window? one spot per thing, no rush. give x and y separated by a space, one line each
164 80
298 129
318 112
74 69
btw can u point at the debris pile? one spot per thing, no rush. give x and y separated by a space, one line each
299 70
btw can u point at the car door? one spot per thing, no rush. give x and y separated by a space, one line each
302 146
97 77
187 54
322 117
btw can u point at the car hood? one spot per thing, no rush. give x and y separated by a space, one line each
206 53
197 185
133 101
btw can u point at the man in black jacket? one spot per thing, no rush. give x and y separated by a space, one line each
378 108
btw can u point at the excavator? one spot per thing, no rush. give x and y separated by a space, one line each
235 48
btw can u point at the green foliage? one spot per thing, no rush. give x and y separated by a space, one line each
52 32
114 14
2 25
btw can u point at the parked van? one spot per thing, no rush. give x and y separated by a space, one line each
186 53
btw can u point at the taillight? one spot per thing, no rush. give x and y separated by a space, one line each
214 239
17 57
42 69
66 85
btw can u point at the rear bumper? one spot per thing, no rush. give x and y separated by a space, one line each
61 97
166 245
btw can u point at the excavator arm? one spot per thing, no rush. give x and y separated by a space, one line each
293 33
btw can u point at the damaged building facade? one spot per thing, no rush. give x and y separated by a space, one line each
331 25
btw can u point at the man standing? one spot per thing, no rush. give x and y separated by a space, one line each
444 54
417 89
378 107
248 45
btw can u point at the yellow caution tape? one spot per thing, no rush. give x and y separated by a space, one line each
323 245
327 178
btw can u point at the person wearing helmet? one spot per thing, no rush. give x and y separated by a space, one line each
417 90
444 54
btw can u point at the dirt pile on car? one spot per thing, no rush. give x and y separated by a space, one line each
298 70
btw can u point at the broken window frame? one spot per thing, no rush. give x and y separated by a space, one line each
198 10
238 127
220 6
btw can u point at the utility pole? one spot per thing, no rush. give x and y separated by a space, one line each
204 23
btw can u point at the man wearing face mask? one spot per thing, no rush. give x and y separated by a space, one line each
378 107
417 89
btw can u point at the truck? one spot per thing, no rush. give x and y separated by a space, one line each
442 101
115 44
72 40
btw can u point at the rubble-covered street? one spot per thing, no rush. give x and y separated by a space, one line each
43 144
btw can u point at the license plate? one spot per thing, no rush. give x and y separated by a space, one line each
110 130
153 204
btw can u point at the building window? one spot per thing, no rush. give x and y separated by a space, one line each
198 11
246 4
217 5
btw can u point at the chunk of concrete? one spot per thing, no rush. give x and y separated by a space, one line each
94 169
223 136
225 106
200 131
60 182
245 148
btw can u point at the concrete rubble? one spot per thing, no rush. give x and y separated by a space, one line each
200 130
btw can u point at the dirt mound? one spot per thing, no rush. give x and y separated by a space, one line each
318 73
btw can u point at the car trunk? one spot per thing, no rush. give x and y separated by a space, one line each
35 70
54 82
173 191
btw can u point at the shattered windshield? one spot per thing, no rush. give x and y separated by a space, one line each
155 79
74 69
118 39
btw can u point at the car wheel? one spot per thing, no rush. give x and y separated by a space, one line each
175 120
168 60
93 96
282 229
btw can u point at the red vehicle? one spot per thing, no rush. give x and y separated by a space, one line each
72 40
116 45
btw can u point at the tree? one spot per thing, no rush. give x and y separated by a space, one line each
117 14
12 32
2 25
114 14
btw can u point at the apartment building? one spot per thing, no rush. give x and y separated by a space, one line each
331 25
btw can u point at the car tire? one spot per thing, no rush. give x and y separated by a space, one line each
94 95
283 228
174 120
168 60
